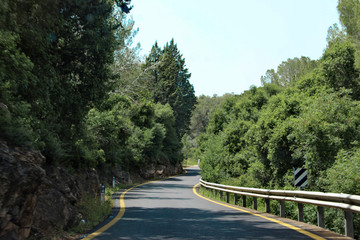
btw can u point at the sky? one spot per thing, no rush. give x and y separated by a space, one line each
228 45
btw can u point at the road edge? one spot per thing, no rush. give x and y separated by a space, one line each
121 212
302 231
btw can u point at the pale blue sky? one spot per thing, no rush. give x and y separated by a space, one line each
228 45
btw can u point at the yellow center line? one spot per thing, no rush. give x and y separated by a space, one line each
309 234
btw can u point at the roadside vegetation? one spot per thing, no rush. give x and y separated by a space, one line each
306 114
93 212
73 85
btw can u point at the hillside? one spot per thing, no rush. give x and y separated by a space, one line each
78 106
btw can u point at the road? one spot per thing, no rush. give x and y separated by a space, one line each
169 209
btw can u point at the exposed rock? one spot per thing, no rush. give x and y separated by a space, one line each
41 201
20 177
3 107
88 182
121 176
165 169
56 208
151 170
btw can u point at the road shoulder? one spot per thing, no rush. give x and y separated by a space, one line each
312 231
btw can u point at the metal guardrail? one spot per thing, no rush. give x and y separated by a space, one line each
348 203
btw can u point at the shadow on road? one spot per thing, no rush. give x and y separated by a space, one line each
192 223
179 214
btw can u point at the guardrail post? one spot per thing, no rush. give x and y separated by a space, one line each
320 215
267 205
255 203
349 203
300 212
349 224
282 208
236 199
102 196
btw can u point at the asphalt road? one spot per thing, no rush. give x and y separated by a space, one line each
169 209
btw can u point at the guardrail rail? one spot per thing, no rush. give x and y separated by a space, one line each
348 203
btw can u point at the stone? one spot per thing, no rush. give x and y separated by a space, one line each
20 177
40 200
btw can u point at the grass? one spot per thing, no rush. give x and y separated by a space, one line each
109 190
93 212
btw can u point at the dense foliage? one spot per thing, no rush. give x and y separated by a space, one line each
262 134
204 109
171 83
305 114
73 86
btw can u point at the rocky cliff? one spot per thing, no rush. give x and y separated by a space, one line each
20 178
41 201
38 199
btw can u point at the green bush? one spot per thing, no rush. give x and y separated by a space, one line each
343 176
15 125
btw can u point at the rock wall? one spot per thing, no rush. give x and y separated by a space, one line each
41 201
148 171
20 178
56 209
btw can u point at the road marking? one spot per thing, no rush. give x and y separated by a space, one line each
122 210
309 234
117 218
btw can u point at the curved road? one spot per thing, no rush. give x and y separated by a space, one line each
169 209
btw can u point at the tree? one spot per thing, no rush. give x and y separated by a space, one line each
335 35
270 77
170 83
57 65
350 19
338 67
27 74
289 72
131 77
203 112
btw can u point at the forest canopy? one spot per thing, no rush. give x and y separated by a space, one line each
72 85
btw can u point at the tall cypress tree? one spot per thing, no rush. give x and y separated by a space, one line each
170 80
